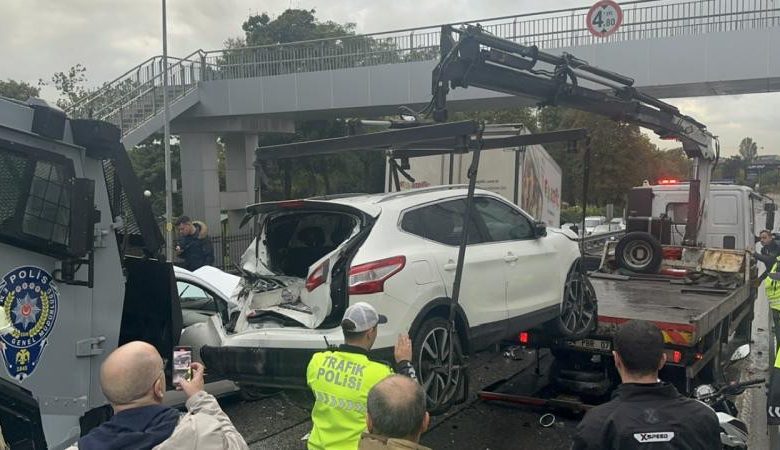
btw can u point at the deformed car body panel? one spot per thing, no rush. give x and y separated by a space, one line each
267 297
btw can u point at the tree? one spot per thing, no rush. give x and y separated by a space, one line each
70 85
621 157
748 150
350 172
18 90
731 169
148 159
293 25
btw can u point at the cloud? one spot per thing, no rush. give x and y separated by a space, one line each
109 37
733 117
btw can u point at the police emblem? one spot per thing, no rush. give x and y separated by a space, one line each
28 301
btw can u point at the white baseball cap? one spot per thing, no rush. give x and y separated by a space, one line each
361 317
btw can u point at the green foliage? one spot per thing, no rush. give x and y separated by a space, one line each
18 90
621 157
292 25
748 150
573 214
148 159
322 52
525 116
70 85
731 168
304 177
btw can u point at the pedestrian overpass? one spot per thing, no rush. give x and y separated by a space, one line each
671 48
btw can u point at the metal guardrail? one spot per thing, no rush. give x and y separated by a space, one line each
132 98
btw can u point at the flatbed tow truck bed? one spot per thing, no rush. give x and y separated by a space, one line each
698 322
684 312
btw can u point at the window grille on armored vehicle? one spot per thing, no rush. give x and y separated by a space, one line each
35 200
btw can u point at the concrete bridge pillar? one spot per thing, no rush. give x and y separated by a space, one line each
239 177
199 178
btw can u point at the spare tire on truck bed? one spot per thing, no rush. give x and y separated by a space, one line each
639 252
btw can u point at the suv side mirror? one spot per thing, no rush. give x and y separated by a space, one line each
82 218
540 229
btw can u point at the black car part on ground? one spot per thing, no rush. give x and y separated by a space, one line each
477 58
409 140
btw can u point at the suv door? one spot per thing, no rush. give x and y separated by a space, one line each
529 263
483 293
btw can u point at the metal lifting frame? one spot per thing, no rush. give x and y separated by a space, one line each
477 58
415 140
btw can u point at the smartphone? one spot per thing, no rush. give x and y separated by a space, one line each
182 358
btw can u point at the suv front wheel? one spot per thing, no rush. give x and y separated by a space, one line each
438 357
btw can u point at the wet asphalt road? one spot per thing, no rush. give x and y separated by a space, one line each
280 420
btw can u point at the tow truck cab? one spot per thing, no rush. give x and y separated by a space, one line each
733 215
80 271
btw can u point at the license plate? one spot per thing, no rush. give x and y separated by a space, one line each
592 344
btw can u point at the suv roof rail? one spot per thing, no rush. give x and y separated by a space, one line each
399 194
337 196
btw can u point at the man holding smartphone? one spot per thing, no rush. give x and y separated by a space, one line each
133 380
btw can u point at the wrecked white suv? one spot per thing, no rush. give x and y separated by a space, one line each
397 251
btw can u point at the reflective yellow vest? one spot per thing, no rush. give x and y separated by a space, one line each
340 381
773 289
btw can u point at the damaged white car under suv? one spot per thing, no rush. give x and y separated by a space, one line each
397 251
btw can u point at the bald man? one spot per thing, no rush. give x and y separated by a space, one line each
133 380
396 415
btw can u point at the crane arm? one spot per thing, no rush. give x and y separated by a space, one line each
477 58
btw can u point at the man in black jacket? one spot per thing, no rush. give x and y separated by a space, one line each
194 245
770 250
644 412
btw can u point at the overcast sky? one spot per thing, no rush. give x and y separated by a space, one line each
108 37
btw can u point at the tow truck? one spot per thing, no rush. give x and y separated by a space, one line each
81 271
698 285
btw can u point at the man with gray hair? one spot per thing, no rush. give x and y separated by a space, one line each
396 416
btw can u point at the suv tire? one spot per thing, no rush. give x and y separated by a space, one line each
432 356
579 308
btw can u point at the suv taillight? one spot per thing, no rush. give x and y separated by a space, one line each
370 277
318 276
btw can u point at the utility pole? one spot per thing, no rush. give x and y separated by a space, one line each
167 145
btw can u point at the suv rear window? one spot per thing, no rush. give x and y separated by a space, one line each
440 222
295 241
35 199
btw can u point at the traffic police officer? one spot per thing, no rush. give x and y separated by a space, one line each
341 379
772 285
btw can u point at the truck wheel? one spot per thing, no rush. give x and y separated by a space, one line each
639 252
432 356
579 308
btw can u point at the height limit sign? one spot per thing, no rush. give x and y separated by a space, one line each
604 18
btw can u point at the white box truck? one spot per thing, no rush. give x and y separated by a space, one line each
527 175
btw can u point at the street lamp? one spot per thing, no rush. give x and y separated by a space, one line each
167 144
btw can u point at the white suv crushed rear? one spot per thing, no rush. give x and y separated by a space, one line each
398 251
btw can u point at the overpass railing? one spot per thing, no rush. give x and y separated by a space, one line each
647 19
136 96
